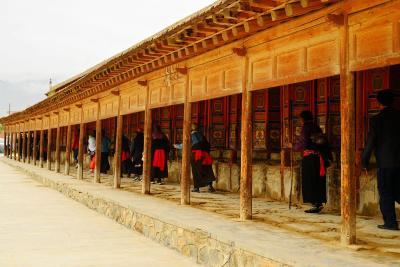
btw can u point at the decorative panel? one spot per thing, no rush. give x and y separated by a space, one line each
302 56
133 98
75 116
39 124
54 121
221 77
374 37
168 89
109 107
90 112
46 122
64 118
289 63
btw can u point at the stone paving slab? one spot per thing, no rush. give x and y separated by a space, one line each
212 239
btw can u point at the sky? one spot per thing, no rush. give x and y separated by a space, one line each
58 39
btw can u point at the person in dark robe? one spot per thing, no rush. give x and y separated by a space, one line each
384 139
126 163
75 147
201 161
105 152
159 154
137 147
316 154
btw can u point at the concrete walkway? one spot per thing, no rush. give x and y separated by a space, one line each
40 227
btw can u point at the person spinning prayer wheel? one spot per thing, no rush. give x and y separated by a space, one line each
160 147
314 147
201 161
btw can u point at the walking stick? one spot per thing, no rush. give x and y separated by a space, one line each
291 152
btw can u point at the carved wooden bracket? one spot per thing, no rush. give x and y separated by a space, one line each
182 70
78 105
142 82
56 112
66 109
94 100
240 51
115 92
338 19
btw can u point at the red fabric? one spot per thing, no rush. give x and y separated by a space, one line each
159 159
321 160
93 163
204 156
124 155
197 154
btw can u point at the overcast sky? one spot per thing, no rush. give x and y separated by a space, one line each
58 39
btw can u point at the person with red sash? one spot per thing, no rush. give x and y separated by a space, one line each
316 155
201 161
126 162
159 154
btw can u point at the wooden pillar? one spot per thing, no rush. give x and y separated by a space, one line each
147 152
23 147
246 148
81 152
57 156
118 153
19 146
15 145
98 151
5 143
49 137
41 149
186 148
68 150
28 147
34 150
347 155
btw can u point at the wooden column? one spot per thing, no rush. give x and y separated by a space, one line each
98 150
15 145
34 150
57 156
347 155
19 146
68 150
41 149
187 147
23 147
148 121
246 148
12 138
81 152
49 137
5 143
28 147
118 152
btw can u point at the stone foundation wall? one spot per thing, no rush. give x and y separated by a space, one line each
195 243
267 183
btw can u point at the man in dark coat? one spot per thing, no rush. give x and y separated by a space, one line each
384 139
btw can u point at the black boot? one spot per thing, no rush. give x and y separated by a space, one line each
211 189
196 189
